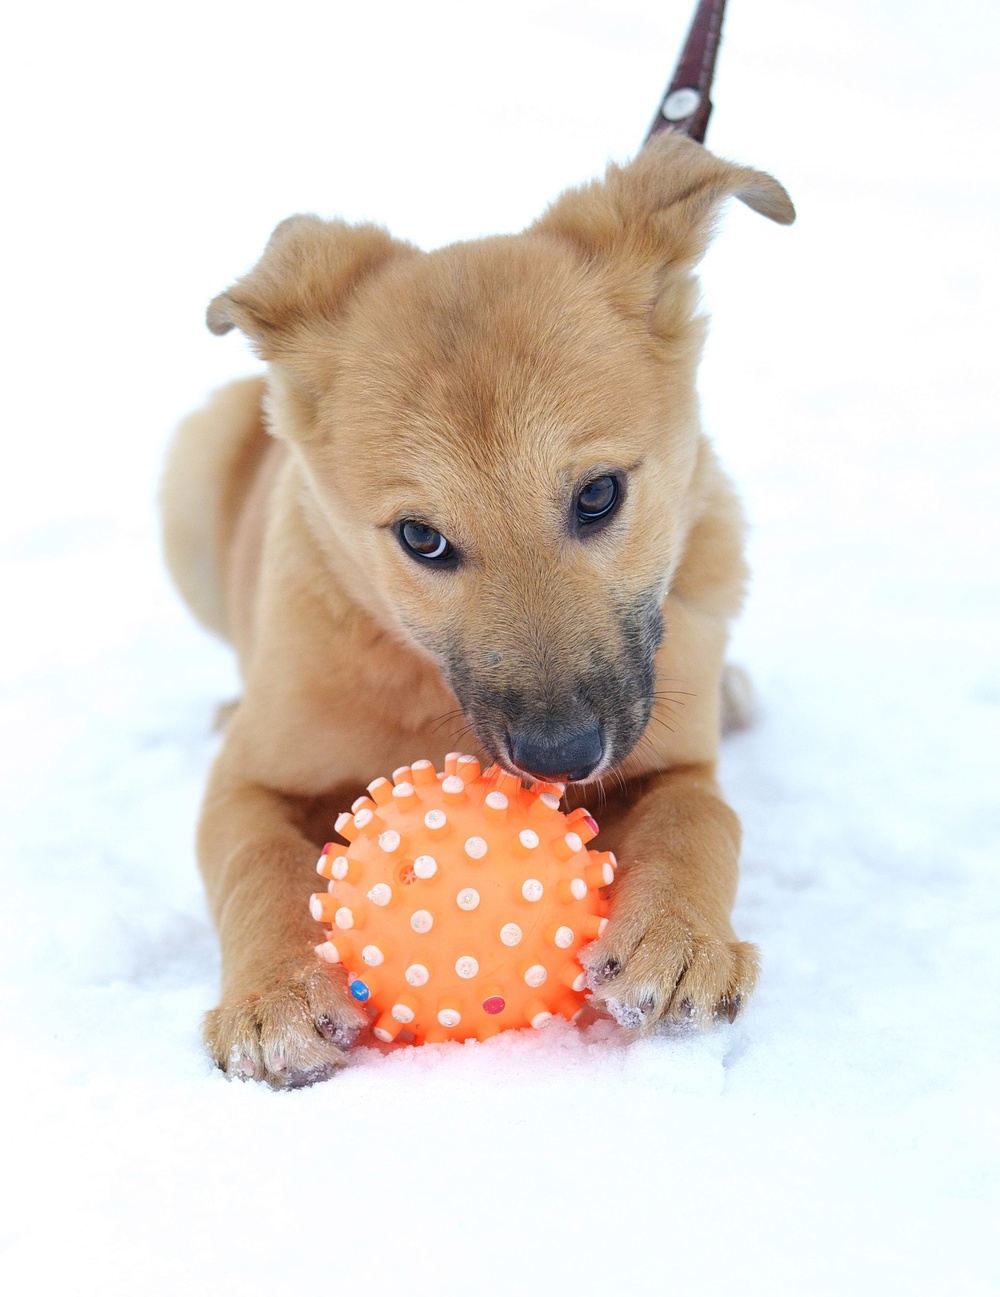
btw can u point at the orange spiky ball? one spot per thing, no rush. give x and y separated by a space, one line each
461 901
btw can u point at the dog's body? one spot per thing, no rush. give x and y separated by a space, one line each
470 502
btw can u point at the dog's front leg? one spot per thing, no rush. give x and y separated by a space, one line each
285 1016
669 949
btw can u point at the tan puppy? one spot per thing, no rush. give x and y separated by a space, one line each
470 505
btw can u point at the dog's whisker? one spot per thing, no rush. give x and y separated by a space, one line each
618 775
443 720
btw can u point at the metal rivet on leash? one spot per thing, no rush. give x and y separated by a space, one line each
682 103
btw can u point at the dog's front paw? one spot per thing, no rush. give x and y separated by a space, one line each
662 960
296 1030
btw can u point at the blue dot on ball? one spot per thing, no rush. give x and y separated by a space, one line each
359 990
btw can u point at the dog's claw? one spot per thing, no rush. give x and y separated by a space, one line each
729 1007
244 1069
311 1076
340 1034
607 972
626 1015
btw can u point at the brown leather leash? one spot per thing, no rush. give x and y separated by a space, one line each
686 107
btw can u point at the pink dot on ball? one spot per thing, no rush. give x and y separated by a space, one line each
494 1004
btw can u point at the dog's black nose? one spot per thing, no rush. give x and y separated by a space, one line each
558 752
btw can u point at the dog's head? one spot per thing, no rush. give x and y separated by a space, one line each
501 438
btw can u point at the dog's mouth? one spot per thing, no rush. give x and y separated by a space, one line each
572 722
578 777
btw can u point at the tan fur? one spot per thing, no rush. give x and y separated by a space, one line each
210 470
473 389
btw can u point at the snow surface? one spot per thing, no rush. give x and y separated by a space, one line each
839 1138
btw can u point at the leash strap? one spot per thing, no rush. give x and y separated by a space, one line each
686 107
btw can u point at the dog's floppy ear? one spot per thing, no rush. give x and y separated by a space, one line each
655 217
305 277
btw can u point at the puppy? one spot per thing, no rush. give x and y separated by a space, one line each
470 504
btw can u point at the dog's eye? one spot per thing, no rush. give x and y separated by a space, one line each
597 500
424 542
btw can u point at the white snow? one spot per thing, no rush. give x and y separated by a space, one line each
842 1136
